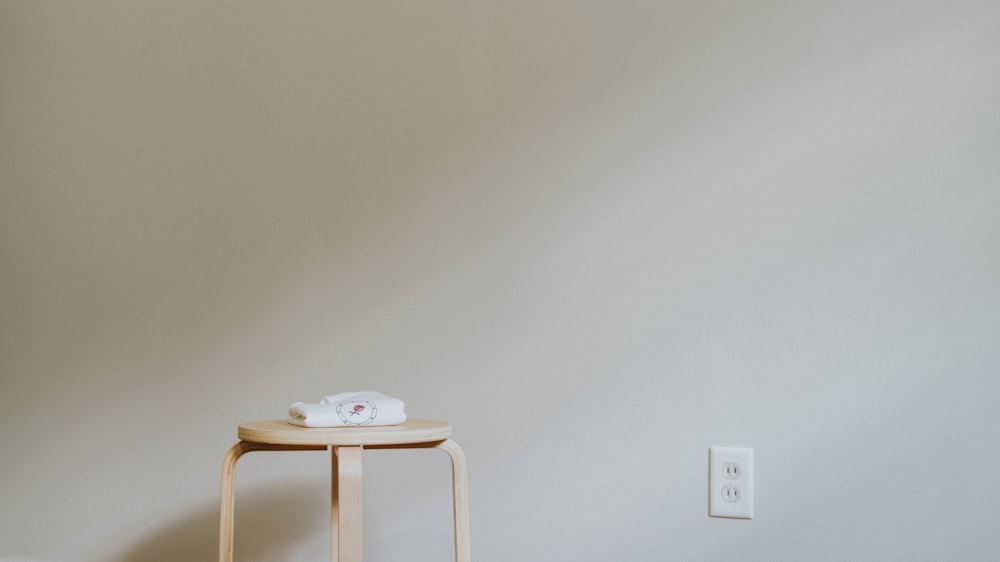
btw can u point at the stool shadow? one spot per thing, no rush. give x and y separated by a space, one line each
270 523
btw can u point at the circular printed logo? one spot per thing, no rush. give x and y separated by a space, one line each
354 412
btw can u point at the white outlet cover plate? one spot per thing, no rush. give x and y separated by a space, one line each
721 482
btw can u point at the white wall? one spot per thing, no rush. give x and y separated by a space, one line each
597 237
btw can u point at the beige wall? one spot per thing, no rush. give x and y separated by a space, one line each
598 237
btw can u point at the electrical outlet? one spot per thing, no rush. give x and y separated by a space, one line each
730 482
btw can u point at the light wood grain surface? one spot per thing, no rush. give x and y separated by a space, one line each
280 432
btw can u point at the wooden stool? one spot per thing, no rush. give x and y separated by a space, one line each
345 445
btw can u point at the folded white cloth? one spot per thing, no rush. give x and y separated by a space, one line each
349 409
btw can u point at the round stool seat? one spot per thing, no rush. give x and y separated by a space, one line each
280 432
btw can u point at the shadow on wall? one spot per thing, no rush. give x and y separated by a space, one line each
270 524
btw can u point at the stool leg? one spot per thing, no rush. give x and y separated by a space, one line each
226 504
334 505
345 512
460 496
227 497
